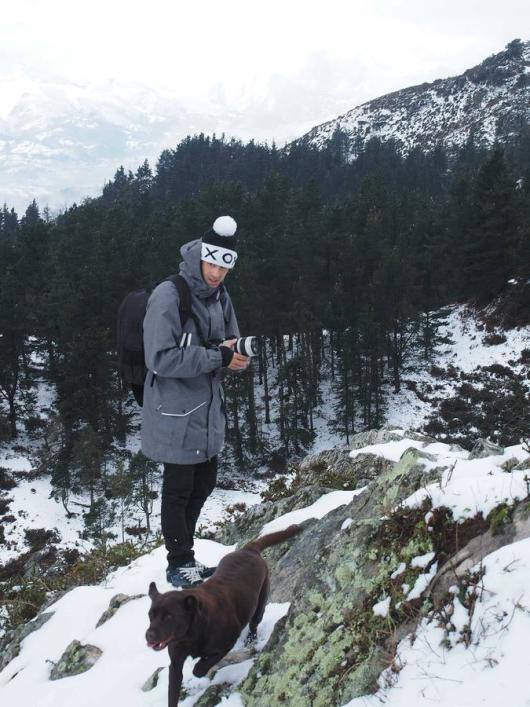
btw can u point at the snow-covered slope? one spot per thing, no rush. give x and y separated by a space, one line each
126 663
475 658
490 101
466 349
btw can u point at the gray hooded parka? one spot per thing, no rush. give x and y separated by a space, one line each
183 419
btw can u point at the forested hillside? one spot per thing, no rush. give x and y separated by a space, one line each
341 267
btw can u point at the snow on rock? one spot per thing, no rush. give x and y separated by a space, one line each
422 582
468 486
382 607
394 450
489 667
471 486
319 509
399 570
422 560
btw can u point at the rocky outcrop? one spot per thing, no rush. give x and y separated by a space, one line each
152 681
336 469
76 659
10 643
248 525
330 646
476 550
484 448
114 604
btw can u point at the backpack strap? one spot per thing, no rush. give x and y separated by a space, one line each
185 310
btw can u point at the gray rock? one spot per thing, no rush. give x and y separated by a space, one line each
363 439
476 550
510 464
77 658
484 448
419 437
330 576
114 604
249 524
152 681
39 563
11 642
336 469
293 564
232 658
525 464
214 694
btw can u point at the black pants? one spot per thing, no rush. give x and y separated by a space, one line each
184 490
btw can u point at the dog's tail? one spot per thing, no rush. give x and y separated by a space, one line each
272 538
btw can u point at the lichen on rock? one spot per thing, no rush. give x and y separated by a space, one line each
77 658
331 646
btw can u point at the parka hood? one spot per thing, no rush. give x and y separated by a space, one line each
190 269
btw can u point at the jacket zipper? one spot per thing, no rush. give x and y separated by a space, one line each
181 414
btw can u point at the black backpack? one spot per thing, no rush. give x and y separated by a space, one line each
131 356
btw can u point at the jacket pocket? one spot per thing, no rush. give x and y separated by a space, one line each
183 413
174 423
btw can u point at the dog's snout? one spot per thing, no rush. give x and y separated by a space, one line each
150 636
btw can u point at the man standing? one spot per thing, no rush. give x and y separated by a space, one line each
183 421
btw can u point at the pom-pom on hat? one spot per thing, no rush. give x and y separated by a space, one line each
219 243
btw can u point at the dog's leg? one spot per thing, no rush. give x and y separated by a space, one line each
202 666
175 676
258 614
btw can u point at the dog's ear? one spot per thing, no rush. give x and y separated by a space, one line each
153 591
190 602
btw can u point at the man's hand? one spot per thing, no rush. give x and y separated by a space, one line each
238 362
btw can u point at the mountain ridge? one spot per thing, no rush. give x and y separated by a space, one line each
490 100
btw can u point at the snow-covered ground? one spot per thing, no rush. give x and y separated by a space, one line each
464 349
34 506
436 668
126 663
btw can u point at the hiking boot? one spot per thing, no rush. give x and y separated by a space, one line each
185 576
204 571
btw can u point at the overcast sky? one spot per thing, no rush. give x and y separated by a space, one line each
340 53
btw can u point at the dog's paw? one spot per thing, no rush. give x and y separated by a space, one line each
200 669
251 639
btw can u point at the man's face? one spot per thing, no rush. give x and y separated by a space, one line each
213 275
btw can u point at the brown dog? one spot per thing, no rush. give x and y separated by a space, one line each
206 621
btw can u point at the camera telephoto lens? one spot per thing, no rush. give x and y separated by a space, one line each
247 346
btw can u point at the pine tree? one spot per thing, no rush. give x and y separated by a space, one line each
493 232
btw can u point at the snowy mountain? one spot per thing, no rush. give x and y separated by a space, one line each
60 141
490 101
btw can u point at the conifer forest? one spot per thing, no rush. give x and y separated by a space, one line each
342 264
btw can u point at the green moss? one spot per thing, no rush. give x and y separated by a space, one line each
499 518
